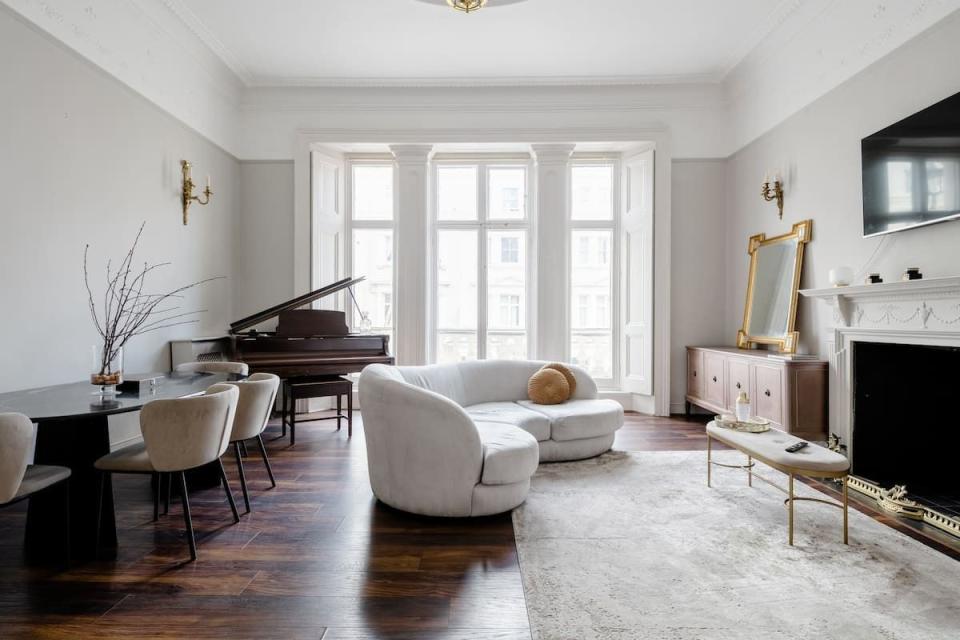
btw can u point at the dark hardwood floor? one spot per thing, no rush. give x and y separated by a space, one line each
317 558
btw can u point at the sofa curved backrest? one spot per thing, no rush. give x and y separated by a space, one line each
477 381
424 452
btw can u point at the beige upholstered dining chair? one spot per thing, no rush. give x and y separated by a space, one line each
213 366
19 480
258 393
178 435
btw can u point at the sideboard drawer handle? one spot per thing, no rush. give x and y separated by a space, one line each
767 393
694 374
738 385
714 378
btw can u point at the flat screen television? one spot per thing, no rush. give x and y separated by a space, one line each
911 171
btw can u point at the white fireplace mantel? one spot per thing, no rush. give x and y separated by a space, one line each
920 303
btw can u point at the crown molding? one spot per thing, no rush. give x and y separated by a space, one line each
784 11
474 81
200 30
147 48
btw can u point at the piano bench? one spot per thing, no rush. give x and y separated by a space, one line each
304 388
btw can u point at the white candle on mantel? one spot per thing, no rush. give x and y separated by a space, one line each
208 181
766 177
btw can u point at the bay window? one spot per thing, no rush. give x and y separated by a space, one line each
371 245
593 228
482 236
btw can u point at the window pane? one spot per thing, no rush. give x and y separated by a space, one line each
507 193
591 278
457 269
457 193
373 192
373 258
507 294
592 192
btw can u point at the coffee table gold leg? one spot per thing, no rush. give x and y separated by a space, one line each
749 471
790 513
709 457
845 510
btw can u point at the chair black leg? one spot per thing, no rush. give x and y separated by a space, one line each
339 410
243 449
243 480
187 520
266 461
158 480
166 500
226 487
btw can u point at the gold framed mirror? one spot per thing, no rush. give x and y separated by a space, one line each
770 313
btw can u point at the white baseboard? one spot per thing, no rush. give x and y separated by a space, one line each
125 442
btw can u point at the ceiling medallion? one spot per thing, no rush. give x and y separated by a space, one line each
467 6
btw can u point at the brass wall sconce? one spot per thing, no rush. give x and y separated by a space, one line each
187 196
775 193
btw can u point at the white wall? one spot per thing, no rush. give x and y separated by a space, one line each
819 150
263 265
84 160
699 258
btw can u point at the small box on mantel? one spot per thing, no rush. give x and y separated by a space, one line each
140 382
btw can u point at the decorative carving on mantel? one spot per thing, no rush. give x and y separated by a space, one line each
924 304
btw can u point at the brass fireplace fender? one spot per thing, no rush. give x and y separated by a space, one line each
895 501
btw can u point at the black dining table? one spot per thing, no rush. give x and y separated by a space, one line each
72 432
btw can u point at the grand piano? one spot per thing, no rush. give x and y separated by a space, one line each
306 342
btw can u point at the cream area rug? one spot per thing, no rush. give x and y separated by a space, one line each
635 546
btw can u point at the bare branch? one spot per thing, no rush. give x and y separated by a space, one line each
127 310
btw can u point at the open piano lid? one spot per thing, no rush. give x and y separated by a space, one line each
307 298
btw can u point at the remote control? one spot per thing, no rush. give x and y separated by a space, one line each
796 447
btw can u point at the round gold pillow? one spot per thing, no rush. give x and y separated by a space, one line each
565 370
548 386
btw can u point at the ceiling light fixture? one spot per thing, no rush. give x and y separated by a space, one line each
467 6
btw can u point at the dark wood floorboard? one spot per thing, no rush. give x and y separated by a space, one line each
317 558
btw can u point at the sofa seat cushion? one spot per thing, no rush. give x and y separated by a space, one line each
578 419
509 454
536 424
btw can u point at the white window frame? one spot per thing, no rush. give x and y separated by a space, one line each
350 223
482 225
615 293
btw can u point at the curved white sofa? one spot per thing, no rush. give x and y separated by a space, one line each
463 440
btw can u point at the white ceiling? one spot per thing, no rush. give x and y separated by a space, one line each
410 42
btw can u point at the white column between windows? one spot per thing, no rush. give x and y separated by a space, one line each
412 272
553 195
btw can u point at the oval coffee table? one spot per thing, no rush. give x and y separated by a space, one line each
812 461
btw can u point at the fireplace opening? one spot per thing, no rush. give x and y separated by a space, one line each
905 431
